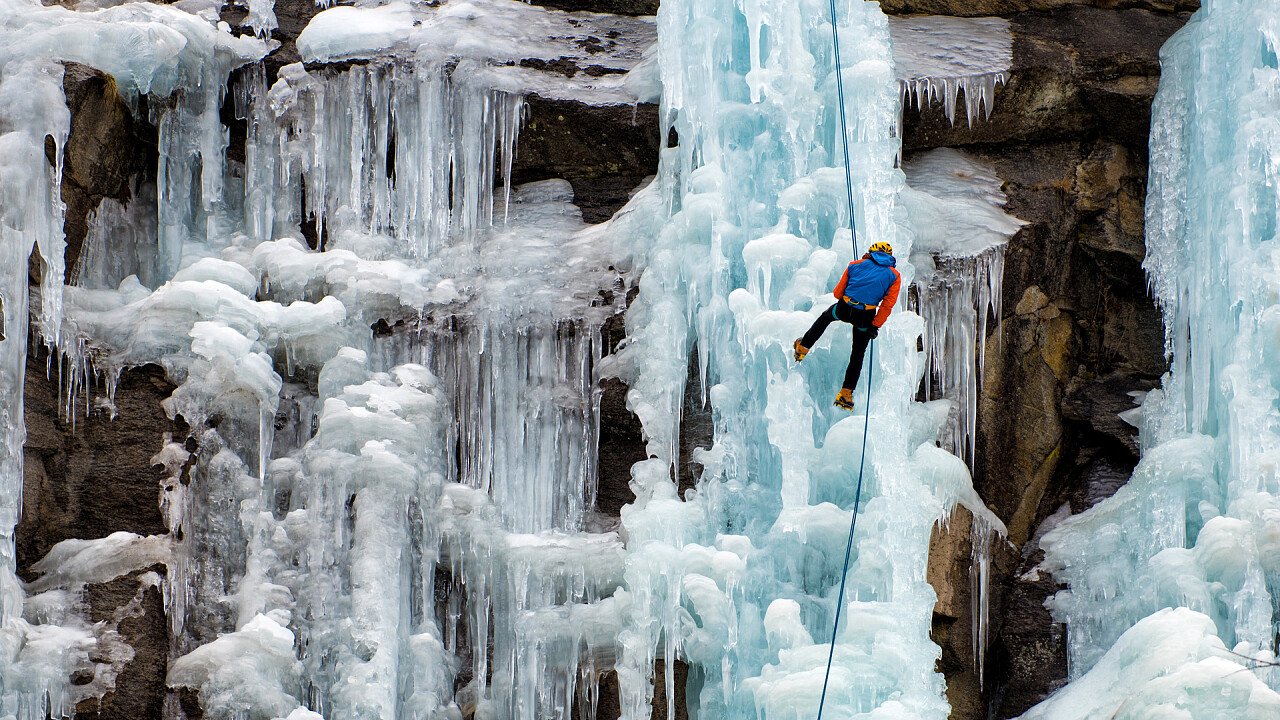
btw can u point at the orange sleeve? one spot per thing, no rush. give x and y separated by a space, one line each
890 299
844 280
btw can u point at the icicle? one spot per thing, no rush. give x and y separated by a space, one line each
262 17
411 153
980 591
956 303
939 57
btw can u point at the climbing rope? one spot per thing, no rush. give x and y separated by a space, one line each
853 525
844 129
866 422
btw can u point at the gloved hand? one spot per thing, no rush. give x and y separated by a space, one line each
872 330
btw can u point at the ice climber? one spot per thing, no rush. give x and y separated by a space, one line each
865 296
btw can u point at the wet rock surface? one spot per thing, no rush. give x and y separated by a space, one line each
621 446
107 152
135 609
95 477
89 480
620 7
605 152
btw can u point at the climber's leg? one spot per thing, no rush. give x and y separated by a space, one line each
861 338
814 334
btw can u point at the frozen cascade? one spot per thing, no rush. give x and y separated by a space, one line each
388 151
1195 529
520 362
738 577
43 639
306 574
352 481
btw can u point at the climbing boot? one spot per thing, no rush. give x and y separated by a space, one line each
844 400
799 351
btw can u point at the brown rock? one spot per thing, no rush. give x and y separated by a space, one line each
94 478
950 547
137 613
617 7
1069 136
107 151
605 152
1029 655
607 704
950 564
621 446
680 673
1033 300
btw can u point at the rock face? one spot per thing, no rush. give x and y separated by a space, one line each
1079 332
979 8
605 152
136 610
107 152
95 477
89 480
620 7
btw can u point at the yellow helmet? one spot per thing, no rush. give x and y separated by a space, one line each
883 247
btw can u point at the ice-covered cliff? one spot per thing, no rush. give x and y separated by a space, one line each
390 355
399 522
1173 581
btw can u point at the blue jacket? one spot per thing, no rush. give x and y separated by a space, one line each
873 280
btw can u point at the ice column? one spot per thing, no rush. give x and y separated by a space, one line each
1195 528
34 678
739 578
191 205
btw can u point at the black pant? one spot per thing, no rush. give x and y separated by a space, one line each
860 320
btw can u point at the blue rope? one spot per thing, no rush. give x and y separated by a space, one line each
862 460
844 129
853 525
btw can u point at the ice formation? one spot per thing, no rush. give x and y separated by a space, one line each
389 508
955 204
34 660
1196 528
939 57
739 577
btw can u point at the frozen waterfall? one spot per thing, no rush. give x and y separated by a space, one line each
739 577
386 507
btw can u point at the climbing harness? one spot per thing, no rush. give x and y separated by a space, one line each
859 305
866 422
